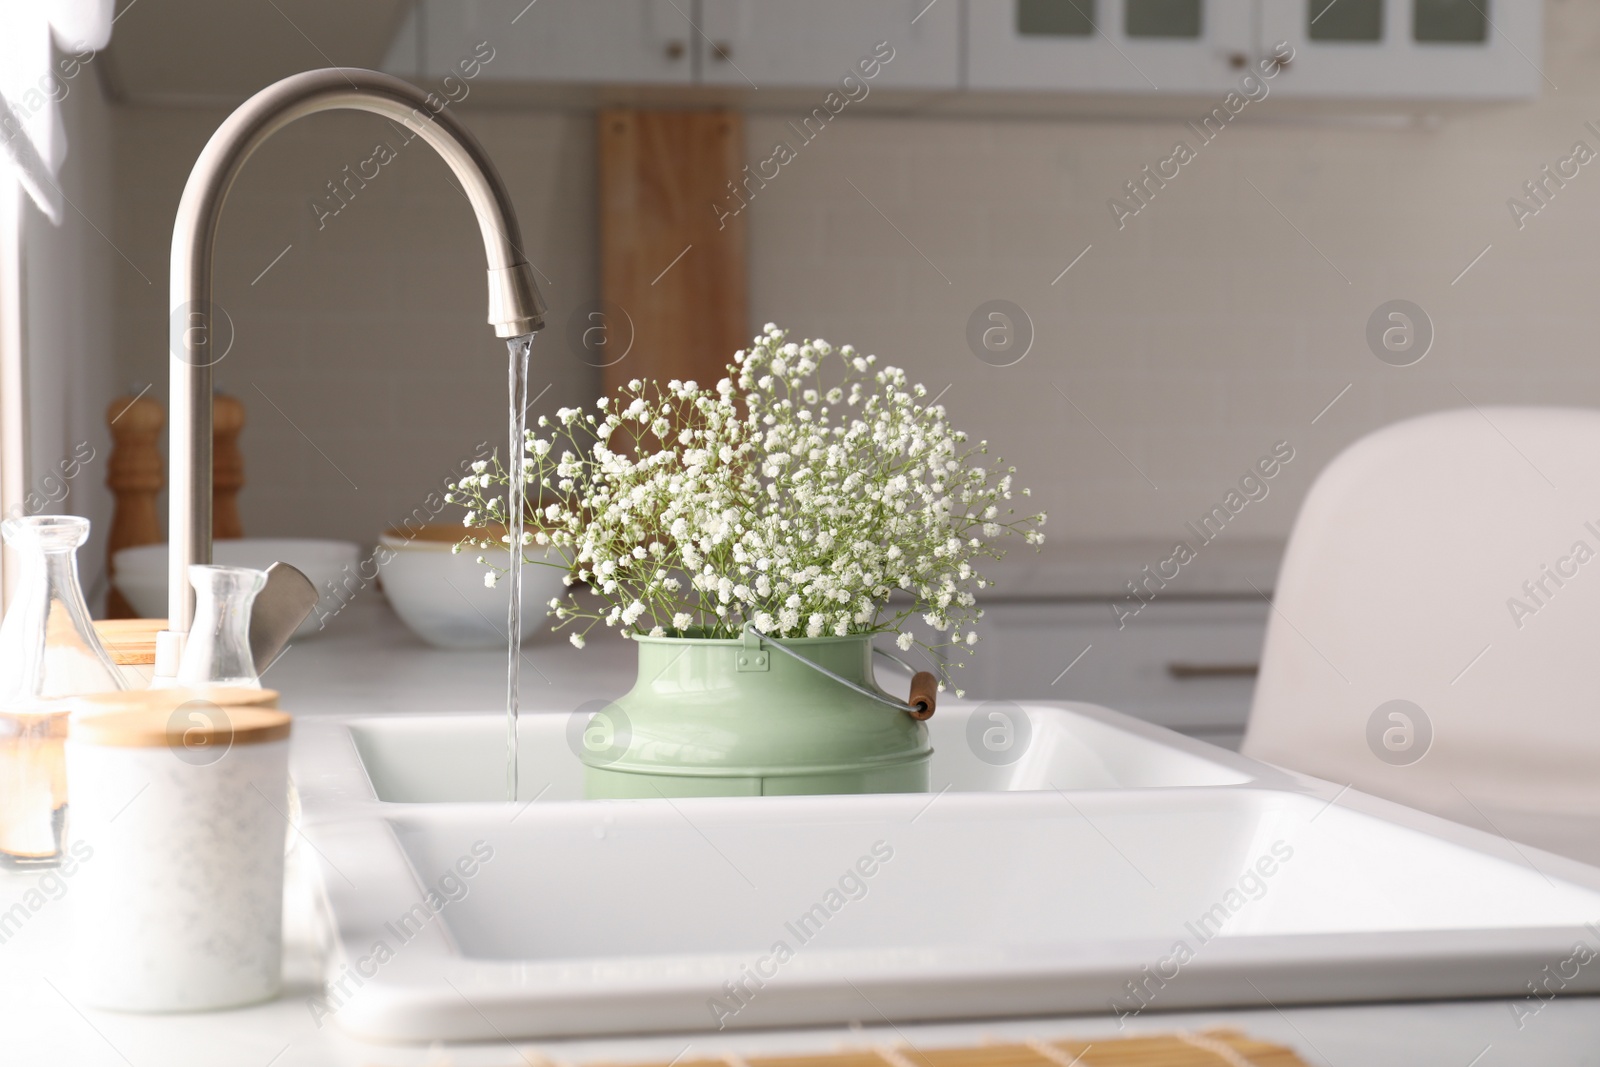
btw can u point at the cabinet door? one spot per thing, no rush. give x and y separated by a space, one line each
1133 46
817 42
1188 665
578 41
1408 49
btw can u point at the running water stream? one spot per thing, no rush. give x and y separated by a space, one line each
515 521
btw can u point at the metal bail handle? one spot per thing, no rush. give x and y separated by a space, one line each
924 685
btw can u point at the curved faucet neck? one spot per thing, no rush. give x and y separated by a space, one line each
515 306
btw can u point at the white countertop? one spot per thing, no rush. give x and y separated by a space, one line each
368 663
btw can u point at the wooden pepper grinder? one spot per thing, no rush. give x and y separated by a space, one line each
227 466
135 476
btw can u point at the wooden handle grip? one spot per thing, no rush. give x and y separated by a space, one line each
924 694
1213 670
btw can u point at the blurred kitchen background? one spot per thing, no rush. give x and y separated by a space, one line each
1145 361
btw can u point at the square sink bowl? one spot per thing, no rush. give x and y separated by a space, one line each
997 746
1096 865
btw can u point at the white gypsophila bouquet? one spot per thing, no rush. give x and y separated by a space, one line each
798 495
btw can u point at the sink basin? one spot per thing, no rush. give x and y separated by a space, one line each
1113 867
987 747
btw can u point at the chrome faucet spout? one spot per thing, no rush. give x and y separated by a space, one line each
515 306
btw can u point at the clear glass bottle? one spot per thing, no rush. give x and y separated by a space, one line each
48 650
48 644
33 786
217 651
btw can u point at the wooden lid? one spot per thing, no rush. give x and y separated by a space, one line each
130 642
129 629
194 727
167 699
46 717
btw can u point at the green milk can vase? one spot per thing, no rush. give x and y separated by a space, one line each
738 717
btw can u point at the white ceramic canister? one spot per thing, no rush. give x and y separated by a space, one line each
179 818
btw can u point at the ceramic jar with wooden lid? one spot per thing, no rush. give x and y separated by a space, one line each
33 779
168 699
178 819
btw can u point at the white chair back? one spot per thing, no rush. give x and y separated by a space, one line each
1435 633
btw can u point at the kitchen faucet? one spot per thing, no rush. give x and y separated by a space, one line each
515 306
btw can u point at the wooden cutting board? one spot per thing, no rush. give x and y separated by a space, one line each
1218 1047
672 266
1209 1048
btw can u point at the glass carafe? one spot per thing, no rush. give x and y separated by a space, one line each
217 651
48 650
33 786
48 644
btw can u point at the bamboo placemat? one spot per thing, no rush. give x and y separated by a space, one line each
1208 1048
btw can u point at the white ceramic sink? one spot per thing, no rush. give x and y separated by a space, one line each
976 748
1113 868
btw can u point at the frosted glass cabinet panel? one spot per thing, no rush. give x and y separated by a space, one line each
1174 20
1373 49
1345 20
1409 49
799 43
1456 21
1132 46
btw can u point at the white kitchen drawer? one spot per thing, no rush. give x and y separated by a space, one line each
1186 664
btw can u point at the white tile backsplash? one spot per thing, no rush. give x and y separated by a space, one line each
369 334
1220 319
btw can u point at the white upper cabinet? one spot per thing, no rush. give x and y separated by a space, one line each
1409 49
1356 50
616 42
1351 49
1117 46
798 43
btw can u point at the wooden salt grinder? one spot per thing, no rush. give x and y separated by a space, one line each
227 466
135 476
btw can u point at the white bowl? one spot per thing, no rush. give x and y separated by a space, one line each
440 595
334 567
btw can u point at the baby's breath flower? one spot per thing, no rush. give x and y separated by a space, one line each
795 494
